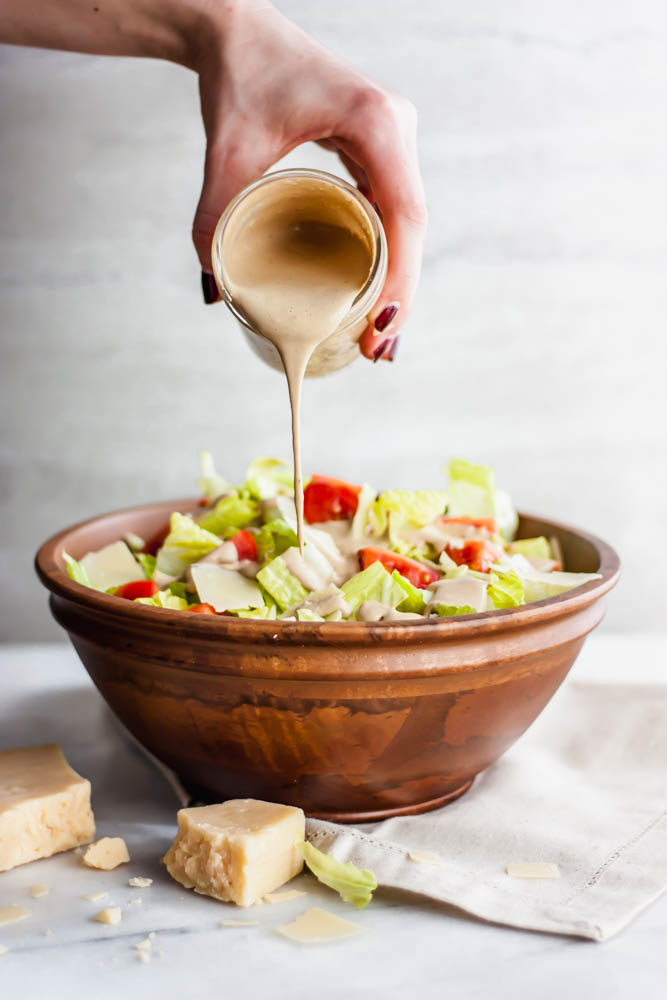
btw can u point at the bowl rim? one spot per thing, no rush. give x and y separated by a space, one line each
205 627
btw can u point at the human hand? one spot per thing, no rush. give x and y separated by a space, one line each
267 87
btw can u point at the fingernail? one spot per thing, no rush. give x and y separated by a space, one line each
209 288
380 349
378 210
386 316
365 191
392 350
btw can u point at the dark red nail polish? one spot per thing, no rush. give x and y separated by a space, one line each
380 349
365 191
378 210
392 350
209 288
386 316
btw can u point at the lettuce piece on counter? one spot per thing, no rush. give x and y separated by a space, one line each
230 511
164 599
76 571
532 548
210 483
413 507
267 477
147 563
506 589
473 493
353 885
414 597
274 538
283 586
373 584
186 542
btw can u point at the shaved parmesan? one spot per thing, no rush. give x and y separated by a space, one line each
317 925
533 869
424 857
282 897
112 566
225 589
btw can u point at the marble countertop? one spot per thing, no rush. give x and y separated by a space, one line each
412 946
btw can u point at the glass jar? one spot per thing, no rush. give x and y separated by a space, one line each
339 349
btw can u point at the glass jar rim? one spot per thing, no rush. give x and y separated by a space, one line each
377 272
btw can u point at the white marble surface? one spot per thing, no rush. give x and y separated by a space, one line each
411 947
536 342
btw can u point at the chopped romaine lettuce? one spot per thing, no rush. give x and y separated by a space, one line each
414 507
230 512
285 589
75 571
267 477
414 596
373 584
274 538
462 591
306 615
265 612
210 483
532 548
186 542
354 885
361 519
506 589
135 542
538 585
147 563
473 493
164 599
452 610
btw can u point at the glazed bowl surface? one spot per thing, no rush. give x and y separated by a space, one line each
351 721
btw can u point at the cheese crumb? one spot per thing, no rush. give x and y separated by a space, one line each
3 949
48 932
425 857
95 897
533 869
12 914
151 935
144 945
138 882
238 923
107 853
111 915
317 925
282 897
144 957
39 890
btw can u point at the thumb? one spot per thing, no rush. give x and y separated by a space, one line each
226 172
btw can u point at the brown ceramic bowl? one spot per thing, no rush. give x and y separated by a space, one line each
350 721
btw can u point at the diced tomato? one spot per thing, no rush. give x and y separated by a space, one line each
476 522
478 554
327 499
245 543
203 609
418 575
138 588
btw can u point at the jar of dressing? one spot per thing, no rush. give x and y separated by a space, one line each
305 249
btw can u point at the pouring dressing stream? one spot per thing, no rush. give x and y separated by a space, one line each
294 252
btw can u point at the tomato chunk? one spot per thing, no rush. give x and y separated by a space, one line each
203 609
418 575
245 543
138 588
489 523
327 499
478 554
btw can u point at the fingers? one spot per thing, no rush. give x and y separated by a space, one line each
228 168
381 138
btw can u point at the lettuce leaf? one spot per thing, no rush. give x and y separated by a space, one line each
265 612
210 483
274 538
506 589
533 548
354 885
473 493
372 584
414 599
164 599
147 563
451 610
361 519
306 615
230 512
186 542
76 571
414 507
267 477
284 588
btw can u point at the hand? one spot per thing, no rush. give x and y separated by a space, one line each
265 88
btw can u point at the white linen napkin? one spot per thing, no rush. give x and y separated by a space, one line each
585 788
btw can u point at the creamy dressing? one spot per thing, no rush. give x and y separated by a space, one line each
296 253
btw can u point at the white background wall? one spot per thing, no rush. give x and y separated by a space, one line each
536 343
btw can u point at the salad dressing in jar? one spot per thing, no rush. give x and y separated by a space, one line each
300 258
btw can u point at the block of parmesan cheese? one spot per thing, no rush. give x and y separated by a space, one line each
44 805
237 851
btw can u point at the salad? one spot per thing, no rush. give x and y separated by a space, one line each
398 555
